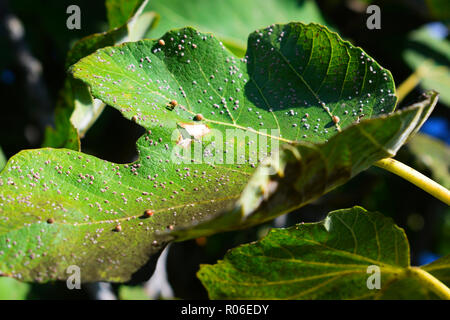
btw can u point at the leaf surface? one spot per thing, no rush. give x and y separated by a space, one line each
440 268
60 207
2 159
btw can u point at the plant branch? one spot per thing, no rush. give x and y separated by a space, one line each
431 282
416 178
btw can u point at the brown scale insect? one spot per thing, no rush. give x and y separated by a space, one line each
161 42
118 228
148 213
50 220
199 117
336 119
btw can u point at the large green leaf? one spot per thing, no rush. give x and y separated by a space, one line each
230 20
295 79
303 172
325 260
429 57
60 208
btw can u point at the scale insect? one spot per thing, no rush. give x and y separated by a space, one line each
336 119
148 213
172 104
199 117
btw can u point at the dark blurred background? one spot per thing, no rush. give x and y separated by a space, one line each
25 114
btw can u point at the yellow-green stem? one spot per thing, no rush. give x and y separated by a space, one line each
415 177
431 282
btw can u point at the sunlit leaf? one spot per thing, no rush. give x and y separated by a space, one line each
132 293
301 173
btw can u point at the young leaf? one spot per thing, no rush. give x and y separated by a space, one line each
337 258
235 18
60 208
429 57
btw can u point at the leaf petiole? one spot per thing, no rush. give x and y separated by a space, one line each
416 178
